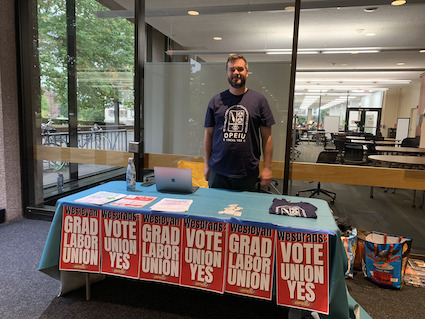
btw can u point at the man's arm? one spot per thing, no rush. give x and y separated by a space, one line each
208 135
267 145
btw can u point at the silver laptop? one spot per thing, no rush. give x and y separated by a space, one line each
173 180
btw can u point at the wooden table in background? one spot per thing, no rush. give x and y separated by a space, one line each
407 150
410 161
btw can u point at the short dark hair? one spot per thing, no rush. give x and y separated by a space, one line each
236 56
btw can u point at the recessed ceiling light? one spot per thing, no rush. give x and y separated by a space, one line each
218 38
422 51
290 8
370 34
401 63
398 2
370 9
193 13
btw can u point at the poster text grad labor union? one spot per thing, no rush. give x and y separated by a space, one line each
160 248
250 256
80 246
302 271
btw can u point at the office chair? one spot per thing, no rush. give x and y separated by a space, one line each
339 143
327 157
197 168
353 154
371 150
294 149
410 142
330 142
368 136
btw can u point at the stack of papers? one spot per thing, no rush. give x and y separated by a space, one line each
134 201
232 209
172 205
100 198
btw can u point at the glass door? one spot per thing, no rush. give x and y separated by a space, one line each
363 120
354 121
371 122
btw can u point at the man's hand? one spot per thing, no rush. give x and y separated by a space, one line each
208 135
267 145
266 176
206 172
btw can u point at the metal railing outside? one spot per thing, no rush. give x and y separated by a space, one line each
112 140
97 139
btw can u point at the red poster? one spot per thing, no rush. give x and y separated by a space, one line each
203 254
80 240
120 243
302 277
250 260
160 248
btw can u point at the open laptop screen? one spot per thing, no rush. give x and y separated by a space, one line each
173 180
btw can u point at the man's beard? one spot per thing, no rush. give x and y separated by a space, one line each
237 82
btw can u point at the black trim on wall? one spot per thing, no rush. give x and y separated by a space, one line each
71 41
139 78
287 167
149 40
29 87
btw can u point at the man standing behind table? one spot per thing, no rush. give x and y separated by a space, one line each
234 123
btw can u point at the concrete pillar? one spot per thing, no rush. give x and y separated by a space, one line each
10 169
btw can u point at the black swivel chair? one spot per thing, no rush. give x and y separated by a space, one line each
371 150
378 138
368 136
296 152
339 143
410 142
353 154
327 157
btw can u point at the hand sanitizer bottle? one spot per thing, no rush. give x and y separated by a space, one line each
131 175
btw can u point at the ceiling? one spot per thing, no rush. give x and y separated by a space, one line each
254 27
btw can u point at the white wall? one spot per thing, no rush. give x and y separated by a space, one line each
398 103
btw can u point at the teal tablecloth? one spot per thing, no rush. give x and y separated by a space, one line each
206 205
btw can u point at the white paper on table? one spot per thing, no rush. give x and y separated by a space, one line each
100 198
172 205
134 201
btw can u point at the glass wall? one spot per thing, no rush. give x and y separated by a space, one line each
82 95
177 95
83 92
81 100
312 105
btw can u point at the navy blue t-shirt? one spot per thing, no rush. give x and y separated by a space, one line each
236 119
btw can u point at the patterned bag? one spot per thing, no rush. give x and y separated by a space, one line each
359 258
350 244
385 258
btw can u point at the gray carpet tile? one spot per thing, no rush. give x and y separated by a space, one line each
24 291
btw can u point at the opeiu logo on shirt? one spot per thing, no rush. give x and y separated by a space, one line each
235 124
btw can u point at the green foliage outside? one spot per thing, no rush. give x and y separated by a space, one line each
45 107
105 57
